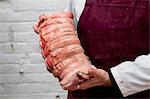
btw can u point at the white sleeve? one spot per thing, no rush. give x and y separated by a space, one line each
76 7
133 77
71 7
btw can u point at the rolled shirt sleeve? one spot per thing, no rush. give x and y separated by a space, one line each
76 7
71 7
133 77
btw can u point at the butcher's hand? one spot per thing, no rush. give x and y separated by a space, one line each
99 77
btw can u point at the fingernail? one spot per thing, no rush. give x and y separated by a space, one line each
78 86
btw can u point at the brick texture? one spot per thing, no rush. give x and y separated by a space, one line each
23 74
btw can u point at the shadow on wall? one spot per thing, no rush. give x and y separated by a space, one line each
3 0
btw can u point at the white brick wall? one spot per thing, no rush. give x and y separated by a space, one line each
19 50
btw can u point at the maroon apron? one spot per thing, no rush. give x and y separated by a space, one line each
111 32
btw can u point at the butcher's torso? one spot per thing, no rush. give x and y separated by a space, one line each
111 32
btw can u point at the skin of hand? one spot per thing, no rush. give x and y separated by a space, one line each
98 77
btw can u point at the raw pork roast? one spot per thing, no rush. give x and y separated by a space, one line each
61 48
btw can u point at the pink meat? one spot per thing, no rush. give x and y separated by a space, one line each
54 29
61 48
51 22
61 54
62 43
55 37
77 57
56 15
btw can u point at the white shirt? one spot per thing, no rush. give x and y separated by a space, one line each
130 76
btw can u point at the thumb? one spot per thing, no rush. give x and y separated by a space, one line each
92 70
87 84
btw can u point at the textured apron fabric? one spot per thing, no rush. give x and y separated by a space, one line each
111 32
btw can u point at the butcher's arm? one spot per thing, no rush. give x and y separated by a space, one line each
132 77
126 79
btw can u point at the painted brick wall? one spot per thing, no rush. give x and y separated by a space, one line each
19 51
